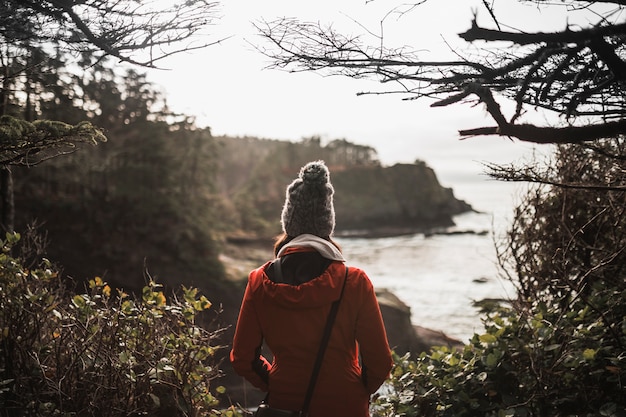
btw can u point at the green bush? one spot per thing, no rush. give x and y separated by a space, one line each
104 352
559 349
543 363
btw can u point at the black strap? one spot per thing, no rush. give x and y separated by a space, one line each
320 353
279 271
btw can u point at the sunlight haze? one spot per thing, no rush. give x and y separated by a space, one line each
229 88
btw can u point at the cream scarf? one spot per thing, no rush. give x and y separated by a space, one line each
324 247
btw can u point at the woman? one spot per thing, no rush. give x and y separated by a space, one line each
287 307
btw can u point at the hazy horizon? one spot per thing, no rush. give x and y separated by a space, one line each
228 87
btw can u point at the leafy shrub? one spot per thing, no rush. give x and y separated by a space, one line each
101 353
560 348
541 364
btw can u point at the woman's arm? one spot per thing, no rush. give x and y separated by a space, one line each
372 339
245 355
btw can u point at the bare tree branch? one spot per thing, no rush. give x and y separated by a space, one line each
578 74
118 28
537 134
476 33
515 174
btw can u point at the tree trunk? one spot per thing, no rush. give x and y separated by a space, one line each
8 204
6 178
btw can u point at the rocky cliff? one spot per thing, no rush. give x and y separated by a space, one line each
370 199
393 200
403 335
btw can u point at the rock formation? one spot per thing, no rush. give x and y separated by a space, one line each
403 198
404 336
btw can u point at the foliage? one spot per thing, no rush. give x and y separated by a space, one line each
544 364
149 188
26 143
46 45
582 204
146 196
103 352
560 348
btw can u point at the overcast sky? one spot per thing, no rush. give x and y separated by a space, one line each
228 88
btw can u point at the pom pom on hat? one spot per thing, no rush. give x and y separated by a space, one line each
309 203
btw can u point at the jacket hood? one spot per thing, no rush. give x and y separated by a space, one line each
317 292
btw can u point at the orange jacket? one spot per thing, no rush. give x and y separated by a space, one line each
290 319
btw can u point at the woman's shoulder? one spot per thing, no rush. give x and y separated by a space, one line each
357 277
255 277
355 271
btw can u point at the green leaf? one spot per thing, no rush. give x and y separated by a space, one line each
589 354
124 357
492 360
79 301
453 360
487 338
13 238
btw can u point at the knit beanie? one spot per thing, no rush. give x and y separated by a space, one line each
309 203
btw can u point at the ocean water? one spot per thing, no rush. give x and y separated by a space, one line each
439 276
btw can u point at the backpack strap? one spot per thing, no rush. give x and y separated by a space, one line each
322 349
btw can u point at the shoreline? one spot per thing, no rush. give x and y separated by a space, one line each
242 254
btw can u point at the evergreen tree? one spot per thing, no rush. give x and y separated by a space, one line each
41 40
